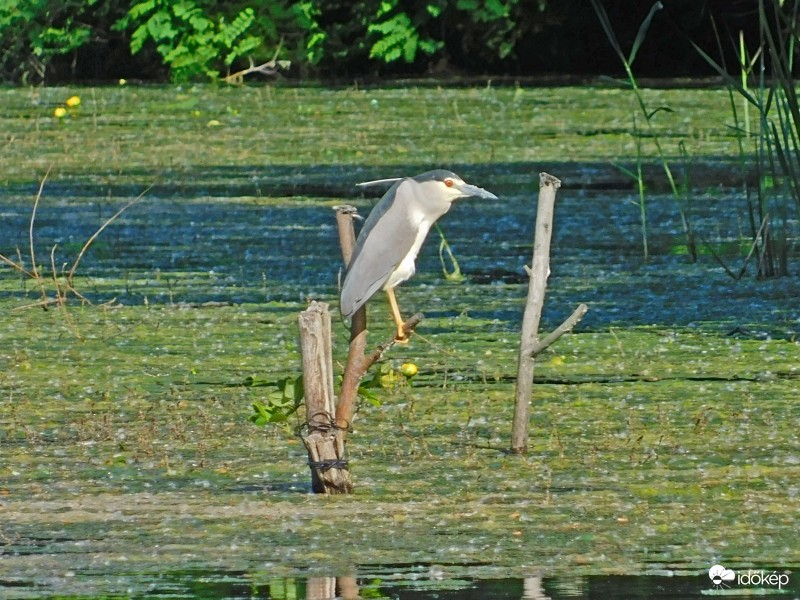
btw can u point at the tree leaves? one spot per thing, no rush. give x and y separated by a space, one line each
190 41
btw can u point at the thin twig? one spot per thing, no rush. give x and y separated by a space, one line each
408 329
759 234
16 266
721 262
753 246
60 297
40 304
34 268
108 222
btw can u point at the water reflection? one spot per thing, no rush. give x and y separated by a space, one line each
421 582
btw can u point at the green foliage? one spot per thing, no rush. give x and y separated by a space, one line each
771 90
287 397
503 29
491 26
444 249
205 38
398 34
281 404
306 14
190 41
648 113
34 32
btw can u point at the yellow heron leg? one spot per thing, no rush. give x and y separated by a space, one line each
398 319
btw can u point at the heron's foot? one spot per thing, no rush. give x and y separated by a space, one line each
401 337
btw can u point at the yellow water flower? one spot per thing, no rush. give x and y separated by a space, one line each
60 112
73 101
213 123
409 369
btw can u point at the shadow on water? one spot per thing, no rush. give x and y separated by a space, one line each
428 582
338 181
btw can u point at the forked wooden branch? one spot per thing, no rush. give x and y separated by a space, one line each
327 425
530 343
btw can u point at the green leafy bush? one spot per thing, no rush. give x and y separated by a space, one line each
34 32
190 41
398 34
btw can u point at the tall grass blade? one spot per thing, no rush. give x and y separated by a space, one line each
642 33
602 15
729 80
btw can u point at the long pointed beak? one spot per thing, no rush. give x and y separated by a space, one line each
476 192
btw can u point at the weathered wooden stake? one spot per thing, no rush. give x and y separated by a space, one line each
323 440
530 344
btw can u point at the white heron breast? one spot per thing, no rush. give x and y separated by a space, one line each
419 221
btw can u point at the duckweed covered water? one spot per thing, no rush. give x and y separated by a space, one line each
664 429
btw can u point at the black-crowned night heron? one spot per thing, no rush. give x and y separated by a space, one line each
393 234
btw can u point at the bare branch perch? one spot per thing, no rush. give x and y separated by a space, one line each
268 68
530 344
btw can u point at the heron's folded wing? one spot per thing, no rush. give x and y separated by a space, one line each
386 239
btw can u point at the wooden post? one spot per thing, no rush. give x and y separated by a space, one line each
530 345
321 588
323 440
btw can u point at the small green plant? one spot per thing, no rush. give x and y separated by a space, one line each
287 397
281 403
444 249
385 377
639 179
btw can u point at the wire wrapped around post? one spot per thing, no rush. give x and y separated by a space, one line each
323 438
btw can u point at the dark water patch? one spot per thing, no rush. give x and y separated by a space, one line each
339 181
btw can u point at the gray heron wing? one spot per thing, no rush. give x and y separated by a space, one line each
385 240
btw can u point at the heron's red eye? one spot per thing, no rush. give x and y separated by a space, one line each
448 182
